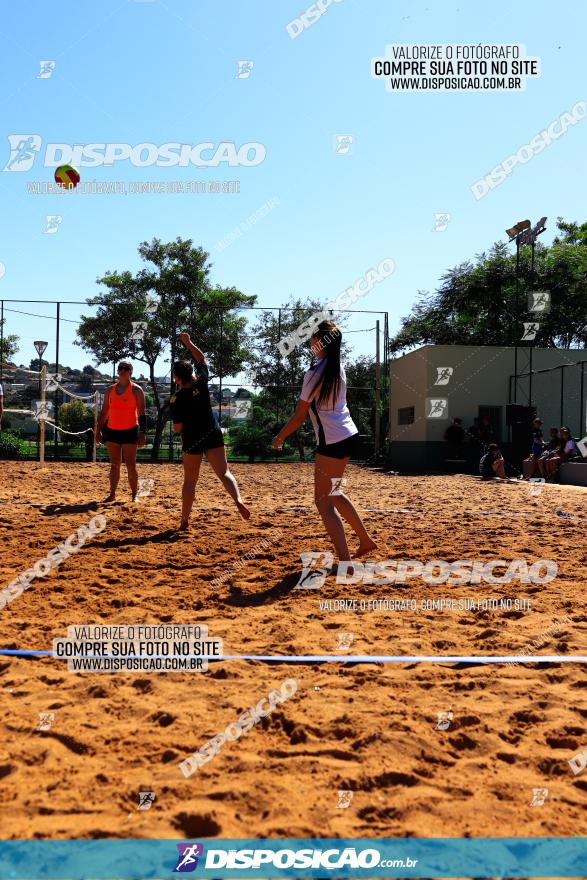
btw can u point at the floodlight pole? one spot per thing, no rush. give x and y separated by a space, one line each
2 340
40 347
377 391
538 230
43 414
523 233
582 418
56 394
517 317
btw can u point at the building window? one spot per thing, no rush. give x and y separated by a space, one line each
405 415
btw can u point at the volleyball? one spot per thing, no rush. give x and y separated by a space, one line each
67 176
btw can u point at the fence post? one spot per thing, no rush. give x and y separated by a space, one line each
42 421
56 393
278 363
279 356
582 414
377 391
389 401
96 404
220 394
386 362
171 383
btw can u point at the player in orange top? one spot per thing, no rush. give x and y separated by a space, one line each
124 410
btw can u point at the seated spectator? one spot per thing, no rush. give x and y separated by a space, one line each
569 452
552 448
492 464
536 449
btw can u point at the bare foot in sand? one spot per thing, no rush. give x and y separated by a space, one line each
243 510
363 549
184 525
109 498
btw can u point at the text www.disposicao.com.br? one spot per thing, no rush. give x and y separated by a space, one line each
134 664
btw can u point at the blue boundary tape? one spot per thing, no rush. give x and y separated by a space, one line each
349 658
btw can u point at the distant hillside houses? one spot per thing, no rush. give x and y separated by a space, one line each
21 388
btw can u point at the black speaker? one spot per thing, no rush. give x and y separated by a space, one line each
516 414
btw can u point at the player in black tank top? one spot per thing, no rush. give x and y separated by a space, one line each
194 419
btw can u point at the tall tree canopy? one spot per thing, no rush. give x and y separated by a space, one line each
177 277
478 303
8 344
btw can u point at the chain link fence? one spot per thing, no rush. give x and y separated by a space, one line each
249 414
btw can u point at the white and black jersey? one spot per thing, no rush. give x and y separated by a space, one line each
331 419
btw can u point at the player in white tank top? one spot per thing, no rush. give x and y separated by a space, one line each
324 397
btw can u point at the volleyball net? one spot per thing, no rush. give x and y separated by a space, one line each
41 410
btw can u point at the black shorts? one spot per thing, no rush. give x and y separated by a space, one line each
344 448
214 439
128 435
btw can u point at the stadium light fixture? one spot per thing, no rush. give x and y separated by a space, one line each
523 234
519 227
40 347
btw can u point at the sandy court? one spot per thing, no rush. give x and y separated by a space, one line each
369 728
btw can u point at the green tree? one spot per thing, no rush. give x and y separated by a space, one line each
11 446
481 303
75 416
254 435
571 233
8 345
281 377
38 364
85 382
178 274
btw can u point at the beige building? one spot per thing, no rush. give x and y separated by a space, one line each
434 384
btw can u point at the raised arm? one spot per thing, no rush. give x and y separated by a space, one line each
195 352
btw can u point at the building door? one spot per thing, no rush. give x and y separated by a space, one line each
520 418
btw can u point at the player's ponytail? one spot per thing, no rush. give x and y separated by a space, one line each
329 337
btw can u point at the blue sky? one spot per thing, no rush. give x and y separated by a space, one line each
158 72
